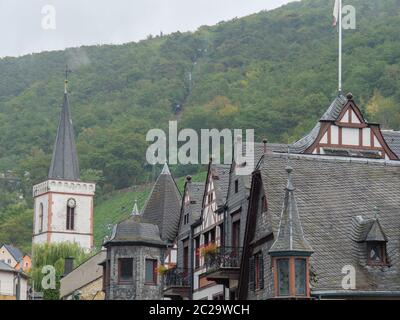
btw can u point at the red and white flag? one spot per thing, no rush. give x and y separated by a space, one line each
336 13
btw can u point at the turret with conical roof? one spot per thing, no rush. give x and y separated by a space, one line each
163 205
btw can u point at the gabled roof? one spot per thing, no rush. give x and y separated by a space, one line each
220 176
334 115
376 233
5 267
14 251
331 114
331 193
196 191
163 206
87 272
290 238
64 163
335 109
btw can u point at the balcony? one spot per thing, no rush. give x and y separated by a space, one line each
176 284
222 266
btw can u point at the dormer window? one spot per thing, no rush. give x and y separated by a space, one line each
291 276
376 240
376 253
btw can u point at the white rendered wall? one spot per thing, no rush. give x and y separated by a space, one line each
350 136
53 195
7 286
334 134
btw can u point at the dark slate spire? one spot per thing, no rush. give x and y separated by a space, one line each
64 164
290 237
163 206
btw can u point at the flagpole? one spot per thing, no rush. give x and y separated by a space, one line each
340 46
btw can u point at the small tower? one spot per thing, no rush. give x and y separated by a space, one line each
135 251
63 205
291 252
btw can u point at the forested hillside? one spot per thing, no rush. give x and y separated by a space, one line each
272 71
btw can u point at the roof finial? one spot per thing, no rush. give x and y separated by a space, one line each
289 170
376 212
67 72
165 169
135 210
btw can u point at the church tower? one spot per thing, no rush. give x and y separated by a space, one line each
63 205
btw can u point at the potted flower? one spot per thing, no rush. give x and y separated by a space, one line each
209 249
162 270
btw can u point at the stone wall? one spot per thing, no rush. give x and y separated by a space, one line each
138 289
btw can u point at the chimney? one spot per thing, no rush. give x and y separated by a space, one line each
68 265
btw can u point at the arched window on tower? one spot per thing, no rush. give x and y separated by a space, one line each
41 217
71 204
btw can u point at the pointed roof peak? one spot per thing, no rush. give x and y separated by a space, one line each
135 210
163 204
290 238
165 169
64 163
289 185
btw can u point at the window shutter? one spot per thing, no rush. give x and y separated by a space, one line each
261 272
252 274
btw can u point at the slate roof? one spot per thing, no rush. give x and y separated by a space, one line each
5 267
82 275
290 237
196 191
14 251
133 230
392 138
64 163
330 115
368 230
332 194
220 173
163 206
258 153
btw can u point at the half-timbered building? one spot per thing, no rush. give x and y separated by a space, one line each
348 210
343 131
178 279
333 231
208 233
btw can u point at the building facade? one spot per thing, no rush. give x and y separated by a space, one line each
311 213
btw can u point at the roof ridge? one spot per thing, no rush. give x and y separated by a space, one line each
335 159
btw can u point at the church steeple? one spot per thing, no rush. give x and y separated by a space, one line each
64 164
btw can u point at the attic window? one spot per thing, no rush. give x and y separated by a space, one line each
376 253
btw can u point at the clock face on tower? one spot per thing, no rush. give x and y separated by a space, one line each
71 203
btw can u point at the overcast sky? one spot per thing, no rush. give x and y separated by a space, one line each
27 26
